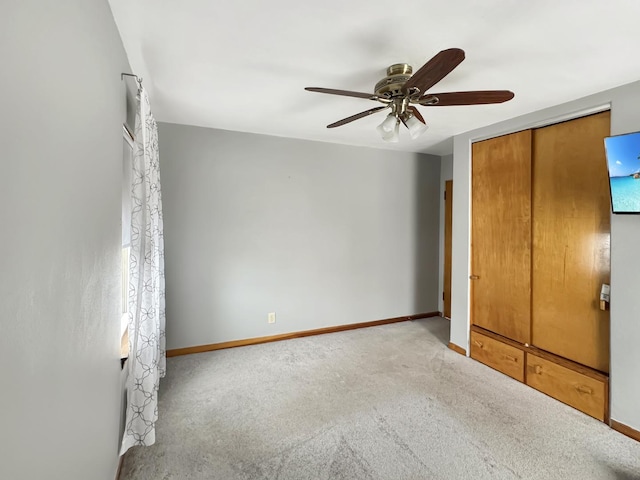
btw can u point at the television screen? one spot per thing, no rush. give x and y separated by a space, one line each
623 161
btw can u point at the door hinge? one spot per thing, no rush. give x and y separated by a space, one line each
443 295
445 194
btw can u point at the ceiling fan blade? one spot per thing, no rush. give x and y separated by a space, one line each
417 114
355 117
435 69
479 97
346 93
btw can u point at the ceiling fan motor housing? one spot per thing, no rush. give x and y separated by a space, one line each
397 76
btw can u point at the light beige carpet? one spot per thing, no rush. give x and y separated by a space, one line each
389 402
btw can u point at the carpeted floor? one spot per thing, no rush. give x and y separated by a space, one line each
389 402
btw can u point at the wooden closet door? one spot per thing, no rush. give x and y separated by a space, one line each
501 235
448 224
571 236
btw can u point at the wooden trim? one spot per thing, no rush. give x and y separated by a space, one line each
288 336
457 349
576 367
607 402
625 430
547 122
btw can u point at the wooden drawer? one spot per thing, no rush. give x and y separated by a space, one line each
500 356
583 392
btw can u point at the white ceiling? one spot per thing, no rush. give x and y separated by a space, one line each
243 65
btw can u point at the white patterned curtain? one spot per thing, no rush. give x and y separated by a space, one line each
147 359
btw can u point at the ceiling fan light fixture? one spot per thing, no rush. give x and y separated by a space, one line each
393 135
415 126
387 125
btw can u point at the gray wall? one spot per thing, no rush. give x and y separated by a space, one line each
321 234
625 282
446 173
62 105
625 238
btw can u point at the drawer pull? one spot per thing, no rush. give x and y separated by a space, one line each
537 369
513 359
583 389
479 344
474 277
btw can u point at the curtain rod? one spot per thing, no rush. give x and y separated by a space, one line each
138 79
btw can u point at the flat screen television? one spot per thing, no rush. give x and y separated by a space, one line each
623 162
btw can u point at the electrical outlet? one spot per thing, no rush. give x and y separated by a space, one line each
271 318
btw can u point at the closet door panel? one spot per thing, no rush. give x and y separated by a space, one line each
571 237
501 235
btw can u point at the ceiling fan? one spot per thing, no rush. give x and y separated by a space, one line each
399 91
